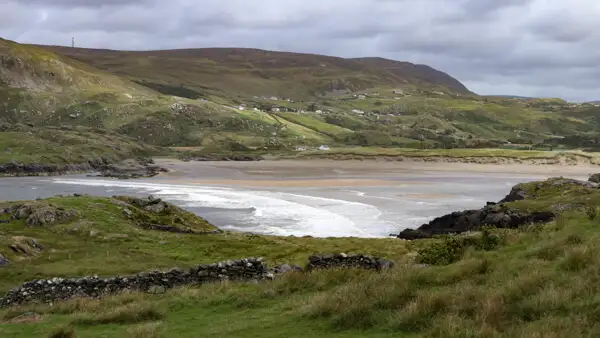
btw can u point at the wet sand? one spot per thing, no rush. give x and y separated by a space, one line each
329 173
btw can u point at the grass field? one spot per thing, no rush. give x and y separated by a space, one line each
67 145
538 281
458 154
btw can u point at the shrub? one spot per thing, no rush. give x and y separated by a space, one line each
63 332
451 249
591 212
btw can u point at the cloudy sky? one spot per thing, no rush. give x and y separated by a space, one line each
547 48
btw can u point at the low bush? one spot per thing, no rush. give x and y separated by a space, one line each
452 248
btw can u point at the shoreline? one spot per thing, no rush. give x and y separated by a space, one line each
507 165
348 169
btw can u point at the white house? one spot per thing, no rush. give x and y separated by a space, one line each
324 147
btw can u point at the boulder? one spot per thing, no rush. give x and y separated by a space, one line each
595 178
286 268
3 260
49 215
517 193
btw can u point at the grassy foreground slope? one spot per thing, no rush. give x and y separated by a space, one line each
538 281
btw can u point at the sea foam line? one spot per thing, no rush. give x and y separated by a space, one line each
277 213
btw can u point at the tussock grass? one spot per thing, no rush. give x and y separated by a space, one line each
127 314
63 332
147 330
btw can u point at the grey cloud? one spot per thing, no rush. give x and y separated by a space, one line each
525 47
83 3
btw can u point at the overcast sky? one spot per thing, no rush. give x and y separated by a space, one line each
547 48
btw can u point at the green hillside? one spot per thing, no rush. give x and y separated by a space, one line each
211 98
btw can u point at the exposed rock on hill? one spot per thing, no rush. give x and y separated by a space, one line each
132 169
39 214
549 198
494 215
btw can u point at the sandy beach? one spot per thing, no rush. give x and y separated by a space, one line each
320 198
315 173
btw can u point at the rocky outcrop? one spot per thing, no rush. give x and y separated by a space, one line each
25 246
221 157
21 169
345 261
501 215
130 169
55 289
155 214
177 230
595 178
462 221
39 214
517 193
123 170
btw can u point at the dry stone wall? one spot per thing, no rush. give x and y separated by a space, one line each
248 269
55 289
345 261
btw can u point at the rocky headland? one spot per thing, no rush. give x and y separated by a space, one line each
526 203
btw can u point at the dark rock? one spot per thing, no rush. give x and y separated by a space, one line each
3 260
411 234
468 220
5 221
35 244
348 261
595 178
517 193
232 157
130 169
156 208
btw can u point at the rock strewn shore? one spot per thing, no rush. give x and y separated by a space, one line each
126 169
499 215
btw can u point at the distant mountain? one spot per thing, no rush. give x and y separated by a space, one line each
253 72
235 98
420 74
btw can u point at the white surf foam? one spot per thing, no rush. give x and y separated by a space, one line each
278 213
